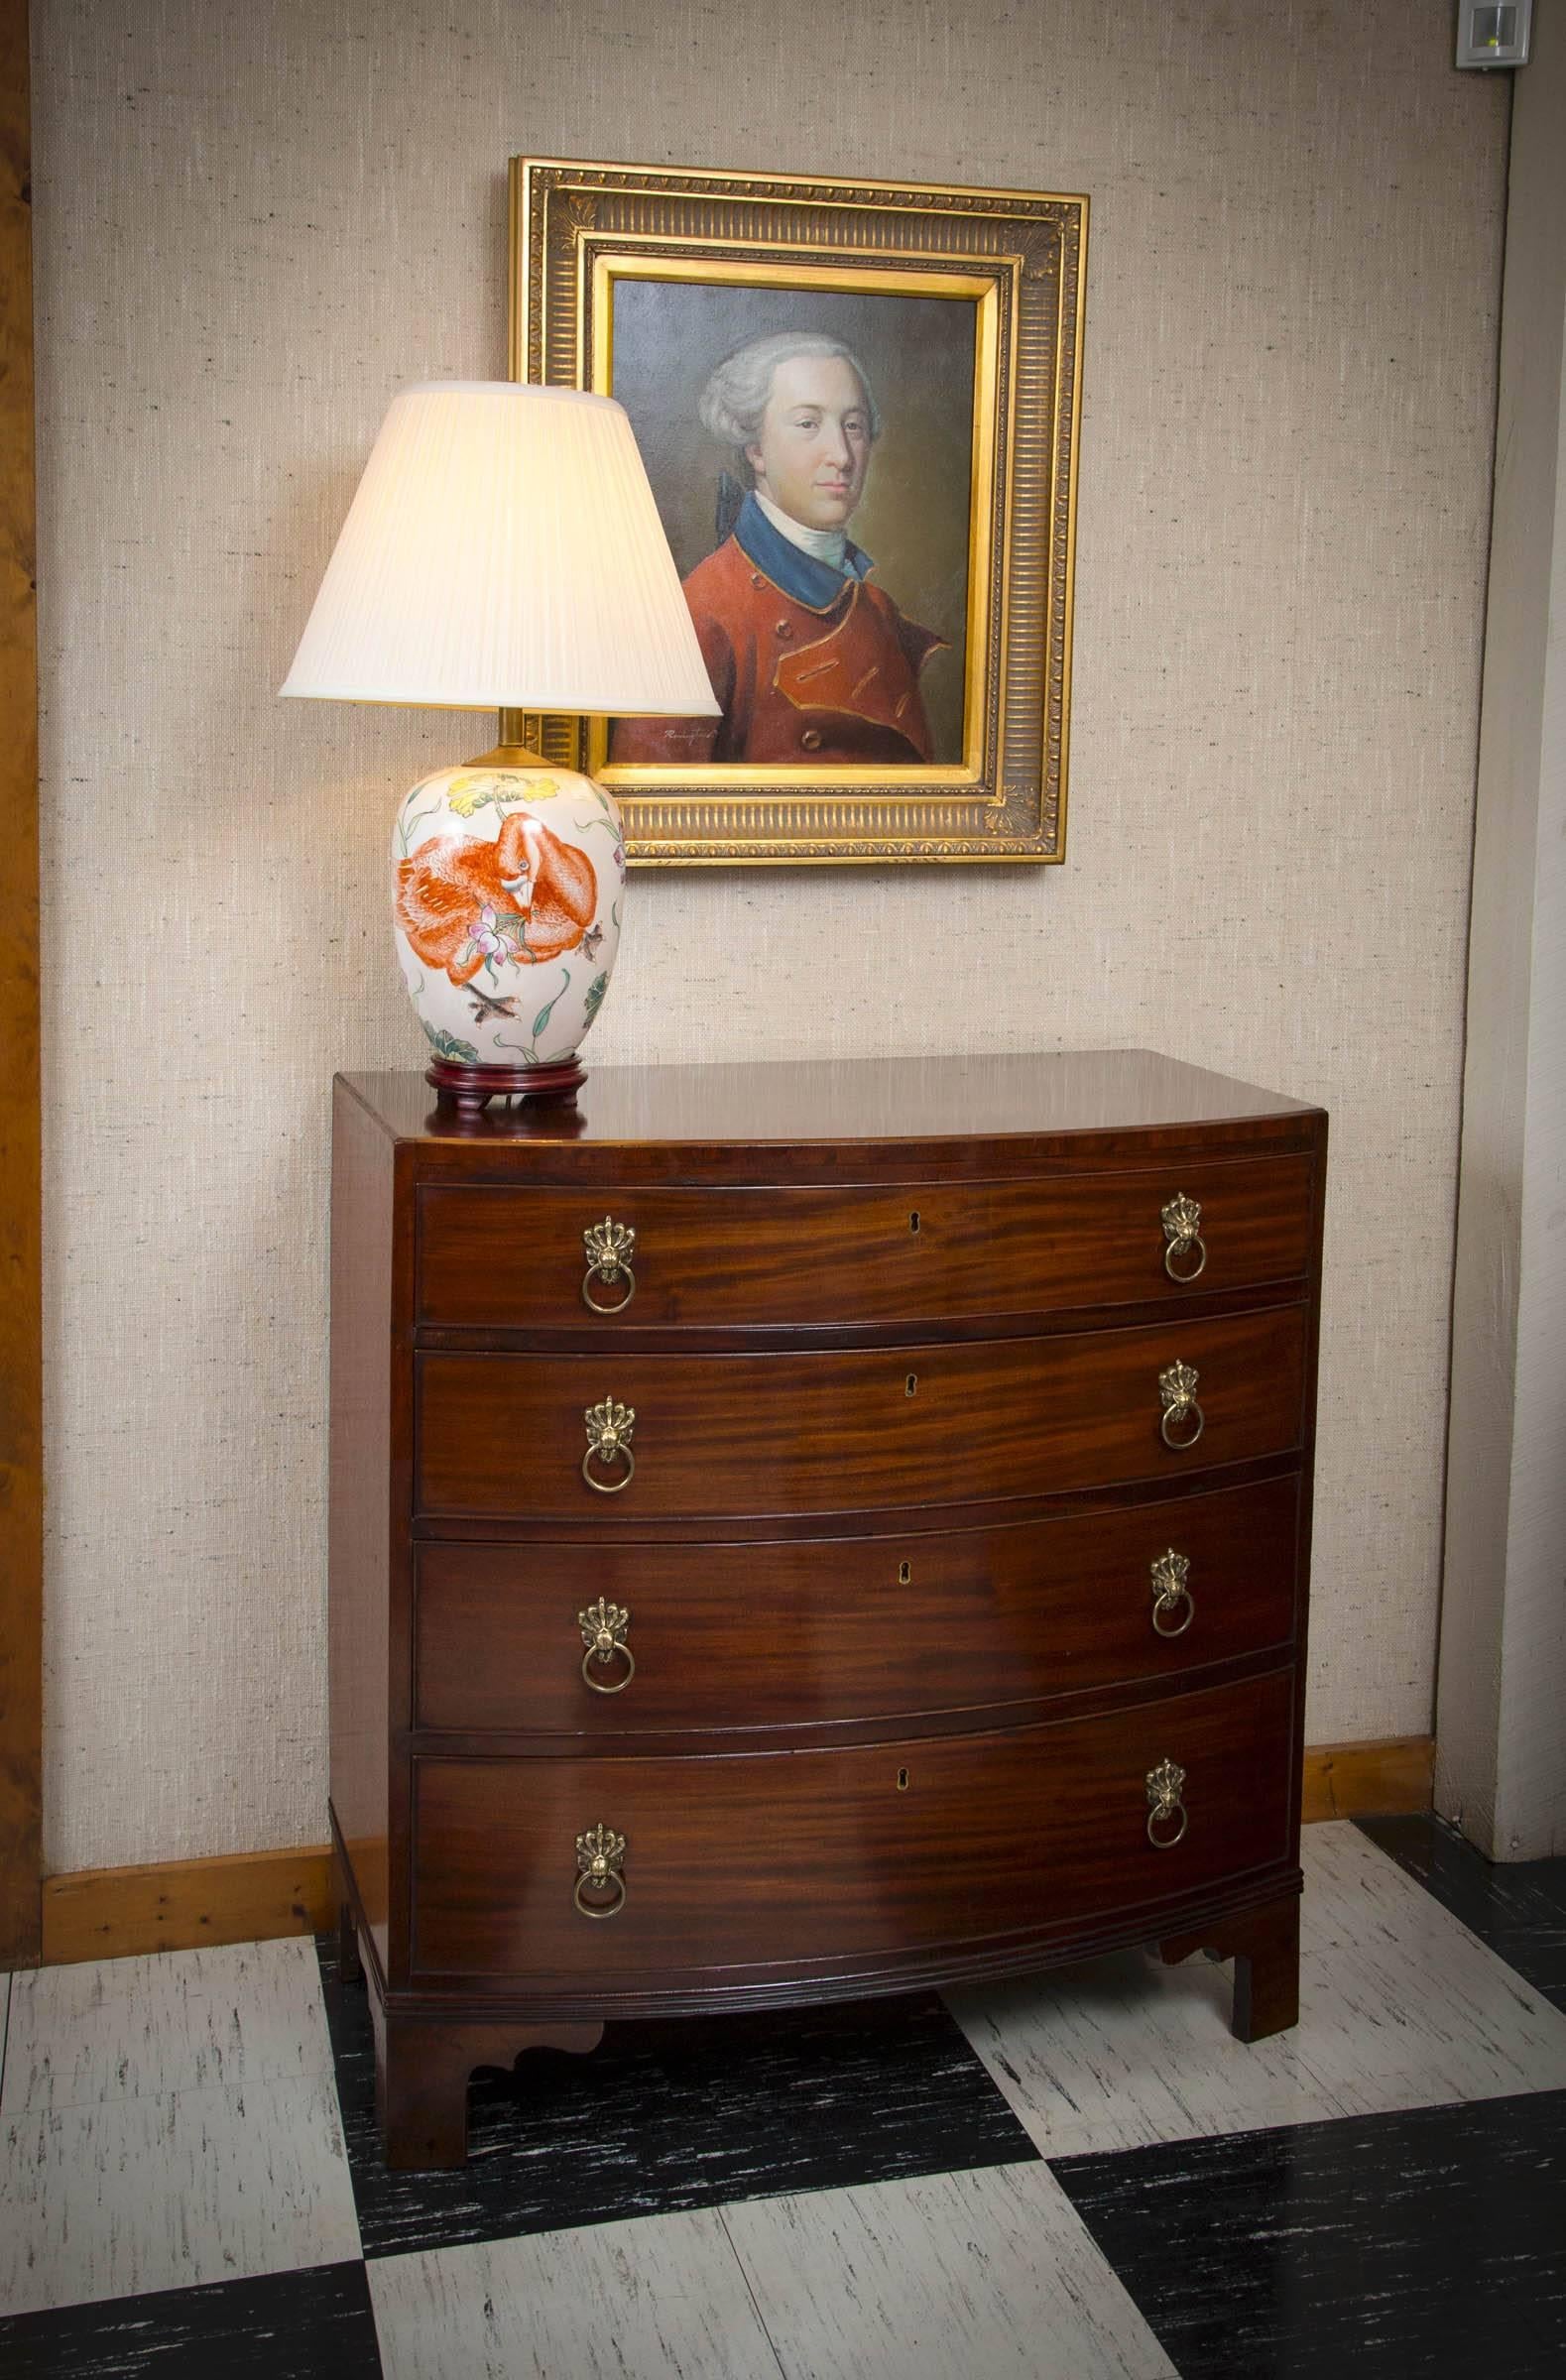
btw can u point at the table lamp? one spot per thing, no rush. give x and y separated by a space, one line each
504 552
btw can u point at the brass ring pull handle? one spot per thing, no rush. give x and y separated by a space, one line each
621 1453
600 1858
609 1428
1182 1232
611 1254
604 1627
1165 1783
614 1907
1169 1591
1182 1420
614 1685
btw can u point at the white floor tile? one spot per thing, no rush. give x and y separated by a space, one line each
1400 2006
1123 2051
187 2020
662 2298
167 2191
987 2273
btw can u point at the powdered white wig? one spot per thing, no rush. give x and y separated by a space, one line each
735 398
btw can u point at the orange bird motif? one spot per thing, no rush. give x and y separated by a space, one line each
458 901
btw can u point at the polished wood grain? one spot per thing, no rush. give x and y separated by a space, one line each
832 1432
850 1119
493 1258
886 1548
369 1411
265 1896
823 1631
21 1141
753 1858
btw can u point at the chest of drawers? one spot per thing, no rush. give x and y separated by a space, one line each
812 1531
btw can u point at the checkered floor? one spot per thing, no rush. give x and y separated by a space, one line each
1076 2176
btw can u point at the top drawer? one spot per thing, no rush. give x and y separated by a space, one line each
703 1260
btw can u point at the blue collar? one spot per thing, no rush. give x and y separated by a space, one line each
810 582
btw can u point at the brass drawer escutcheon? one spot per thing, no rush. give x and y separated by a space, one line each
600 1860
609 1428
611 1254
1168 1574
1165 1784
1178 1389
604 1628
1182 1235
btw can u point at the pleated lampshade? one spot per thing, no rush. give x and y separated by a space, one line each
504 550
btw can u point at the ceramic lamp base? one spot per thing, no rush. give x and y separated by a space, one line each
469 1089
508 879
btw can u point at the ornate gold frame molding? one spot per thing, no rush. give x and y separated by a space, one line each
1018 255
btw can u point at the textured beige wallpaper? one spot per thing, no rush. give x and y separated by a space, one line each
252 225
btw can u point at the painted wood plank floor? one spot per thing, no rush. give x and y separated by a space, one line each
1077 2176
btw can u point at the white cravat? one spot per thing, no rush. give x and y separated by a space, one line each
827 544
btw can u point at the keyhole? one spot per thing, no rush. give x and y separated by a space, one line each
913 1222
903 1780
904 1573
911 1385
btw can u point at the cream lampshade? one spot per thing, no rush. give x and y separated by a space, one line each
504 552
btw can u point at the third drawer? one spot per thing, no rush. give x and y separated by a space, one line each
824 1631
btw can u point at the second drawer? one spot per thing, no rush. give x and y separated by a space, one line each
835 1432
820 1631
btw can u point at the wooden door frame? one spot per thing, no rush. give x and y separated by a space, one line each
21 1117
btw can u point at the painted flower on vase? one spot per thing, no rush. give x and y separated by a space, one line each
470 789
494 937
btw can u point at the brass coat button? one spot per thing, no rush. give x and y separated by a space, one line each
811 739
757 580
783 630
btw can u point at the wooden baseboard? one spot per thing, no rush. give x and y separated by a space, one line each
1369 1780
183 1904
258 1896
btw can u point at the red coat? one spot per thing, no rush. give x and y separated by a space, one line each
830 686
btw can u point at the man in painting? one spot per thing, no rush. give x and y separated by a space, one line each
811 663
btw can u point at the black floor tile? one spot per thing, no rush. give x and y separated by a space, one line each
680 2114
1518 1907
301 2326
1428 2245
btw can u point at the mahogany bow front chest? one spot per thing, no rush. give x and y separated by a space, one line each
807 1531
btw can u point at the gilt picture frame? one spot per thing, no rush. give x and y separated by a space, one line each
858 403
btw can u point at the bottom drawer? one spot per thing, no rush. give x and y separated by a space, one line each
779 1859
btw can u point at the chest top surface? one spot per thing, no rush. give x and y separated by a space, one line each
1034 1104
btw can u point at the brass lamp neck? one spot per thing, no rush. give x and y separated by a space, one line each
508 756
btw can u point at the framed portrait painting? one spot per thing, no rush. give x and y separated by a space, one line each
858 408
